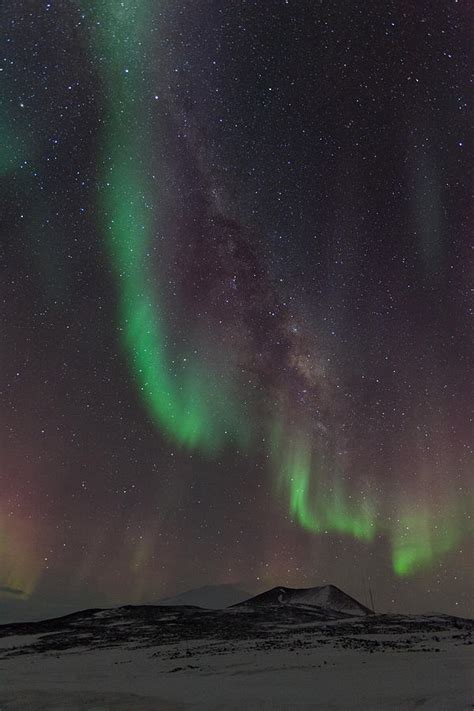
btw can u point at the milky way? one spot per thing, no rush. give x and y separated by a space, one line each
236 312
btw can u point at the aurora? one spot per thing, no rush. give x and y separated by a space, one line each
235 309
186 404
186 401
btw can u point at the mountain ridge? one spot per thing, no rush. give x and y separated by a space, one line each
209 597
328 597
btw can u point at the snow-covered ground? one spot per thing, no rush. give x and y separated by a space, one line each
310 679
395 663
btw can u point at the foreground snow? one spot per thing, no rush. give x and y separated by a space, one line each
394 663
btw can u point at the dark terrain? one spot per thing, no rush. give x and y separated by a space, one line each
262 626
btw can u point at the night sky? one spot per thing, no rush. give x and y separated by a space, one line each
235 337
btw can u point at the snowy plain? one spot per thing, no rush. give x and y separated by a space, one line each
385 663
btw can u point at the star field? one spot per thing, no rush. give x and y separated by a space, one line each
235 306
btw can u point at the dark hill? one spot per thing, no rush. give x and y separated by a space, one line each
328 597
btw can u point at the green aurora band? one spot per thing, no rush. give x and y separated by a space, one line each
189 404
317 508
419 540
